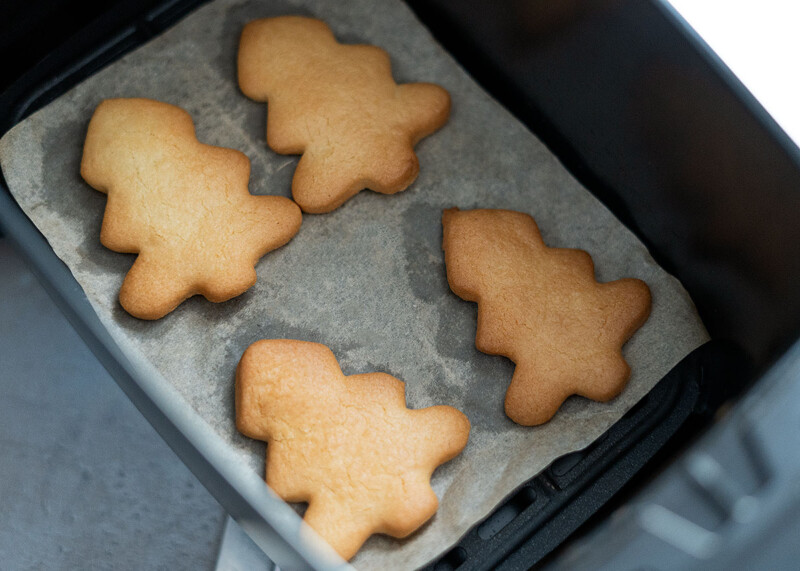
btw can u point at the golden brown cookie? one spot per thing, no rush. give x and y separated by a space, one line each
542 308
347 445
339 107
183 206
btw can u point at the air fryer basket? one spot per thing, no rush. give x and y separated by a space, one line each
648 119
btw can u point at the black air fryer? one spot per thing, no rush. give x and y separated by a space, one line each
701 473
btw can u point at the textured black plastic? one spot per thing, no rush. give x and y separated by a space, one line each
514 66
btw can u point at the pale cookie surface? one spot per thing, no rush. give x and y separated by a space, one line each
347 445
542 308
183 206
339 107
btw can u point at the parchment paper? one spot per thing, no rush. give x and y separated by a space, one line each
368 280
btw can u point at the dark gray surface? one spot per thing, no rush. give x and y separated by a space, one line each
85 482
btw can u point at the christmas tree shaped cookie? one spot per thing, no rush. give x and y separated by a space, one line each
542 308
347 445
339 107
183 206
